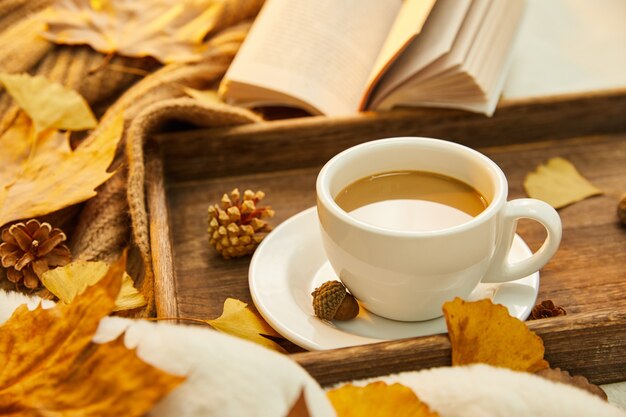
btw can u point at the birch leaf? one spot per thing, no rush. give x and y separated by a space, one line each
238 320
52 176
48 104
71 280
378 399
168 30
559 184
50 366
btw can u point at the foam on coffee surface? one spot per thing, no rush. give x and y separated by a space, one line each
410 215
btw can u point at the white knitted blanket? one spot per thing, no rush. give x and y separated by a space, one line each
231 377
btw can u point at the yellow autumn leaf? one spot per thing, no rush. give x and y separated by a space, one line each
52 176
559 184
48 104
70 280
238 320
168 30
378 399
209 97
129 297
484 332
98 4
51 367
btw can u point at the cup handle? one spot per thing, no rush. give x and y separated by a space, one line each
501 270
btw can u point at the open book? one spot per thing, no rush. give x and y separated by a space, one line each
336 57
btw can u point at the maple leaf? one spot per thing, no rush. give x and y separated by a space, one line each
559 184
50 367
378 399
484 332
168 30
50 176
70 280
49 104
240 321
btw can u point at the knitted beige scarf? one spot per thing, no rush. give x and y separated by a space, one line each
117 215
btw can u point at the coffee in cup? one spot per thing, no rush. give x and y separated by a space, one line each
411 200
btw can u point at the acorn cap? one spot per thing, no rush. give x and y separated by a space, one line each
327 298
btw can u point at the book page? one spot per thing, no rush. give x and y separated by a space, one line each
493 43
476 84
436 39
462 43
406 27
320 52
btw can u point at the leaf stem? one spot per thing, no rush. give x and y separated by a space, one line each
102 64
178 318
129 70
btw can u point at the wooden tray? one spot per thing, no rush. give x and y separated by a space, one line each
187 171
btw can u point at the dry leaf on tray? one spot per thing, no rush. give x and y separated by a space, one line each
578 381
72 279
546 309
50 366
483 332
378 399
238 320
559 184
48 104
52 176
168 30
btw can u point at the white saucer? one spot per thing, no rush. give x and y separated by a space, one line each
290 263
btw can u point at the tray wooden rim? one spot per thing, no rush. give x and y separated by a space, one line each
333 366
527 106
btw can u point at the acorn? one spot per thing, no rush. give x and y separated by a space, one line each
331 301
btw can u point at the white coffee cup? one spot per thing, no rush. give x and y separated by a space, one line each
408 275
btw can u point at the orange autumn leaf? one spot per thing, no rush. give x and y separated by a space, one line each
168 30
50 366
483 332
299 408
378 399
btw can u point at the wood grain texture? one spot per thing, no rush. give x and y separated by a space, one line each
586 276
572 342
164 282
308 142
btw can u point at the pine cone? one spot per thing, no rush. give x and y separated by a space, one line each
236 225
30 249
546 309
